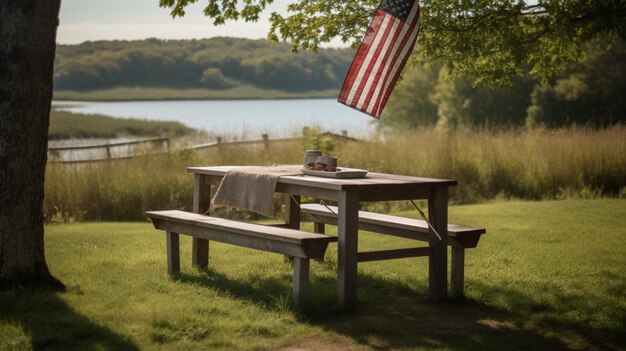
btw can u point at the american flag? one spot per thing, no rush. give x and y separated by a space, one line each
383 53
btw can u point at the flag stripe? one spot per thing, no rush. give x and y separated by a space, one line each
373 57
396 69
373 93
373 79
358 61
397 51
365 68
383 53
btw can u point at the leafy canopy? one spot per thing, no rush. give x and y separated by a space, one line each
489 41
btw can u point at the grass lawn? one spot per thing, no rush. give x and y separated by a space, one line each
68 125
546 276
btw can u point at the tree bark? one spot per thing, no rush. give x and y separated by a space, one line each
27 49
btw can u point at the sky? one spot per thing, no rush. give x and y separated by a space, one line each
83 20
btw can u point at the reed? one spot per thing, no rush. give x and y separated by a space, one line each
67 125
539 164
534 165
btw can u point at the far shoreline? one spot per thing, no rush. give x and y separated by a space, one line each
246 92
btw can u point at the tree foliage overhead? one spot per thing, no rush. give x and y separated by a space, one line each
488 41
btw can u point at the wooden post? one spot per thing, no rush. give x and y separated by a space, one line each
266 141
167 145
347 229
319 227
173 252
108 149
457 271
201 204
292 211
219 145
300 281
438 261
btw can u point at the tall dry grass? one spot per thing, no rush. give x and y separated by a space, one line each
537 164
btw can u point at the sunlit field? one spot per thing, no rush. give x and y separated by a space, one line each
547 276
534 165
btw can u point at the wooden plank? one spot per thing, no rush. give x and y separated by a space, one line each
458 236
438 260
300 281
347 228
457 271
201 204
409 224
316 193
172 247
393 254
308 245
225 236
245 228
372 180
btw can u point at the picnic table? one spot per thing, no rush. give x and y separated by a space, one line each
348 193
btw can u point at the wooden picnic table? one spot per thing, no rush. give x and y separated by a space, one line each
348 193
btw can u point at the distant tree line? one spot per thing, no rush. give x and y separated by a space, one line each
592 92
217 63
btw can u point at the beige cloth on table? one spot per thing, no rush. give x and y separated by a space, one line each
252 188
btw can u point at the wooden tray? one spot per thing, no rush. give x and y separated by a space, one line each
345 173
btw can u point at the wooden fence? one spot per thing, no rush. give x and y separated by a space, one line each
132 149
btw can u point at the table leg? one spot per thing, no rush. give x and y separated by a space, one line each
438 261
292 211
347 230
201 204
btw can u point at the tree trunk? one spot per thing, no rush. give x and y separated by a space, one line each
27 48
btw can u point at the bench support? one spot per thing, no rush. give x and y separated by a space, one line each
319 227
347 248
173 252
459 237
393 254
457 271
201 204
303 246
438 260
300 281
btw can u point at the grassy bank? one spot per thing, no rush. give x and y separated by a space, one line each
540 164
541 278
67 125
143 93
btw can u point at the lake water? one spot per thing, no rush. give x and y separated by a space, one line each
245 119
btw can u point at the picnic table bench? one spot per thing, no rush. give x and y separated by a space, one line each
302 246
459 237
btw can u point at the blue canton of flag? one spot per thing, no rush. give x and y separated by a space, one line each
397 8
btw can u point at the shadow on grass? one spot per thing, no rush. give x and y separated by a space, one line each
270 293
50 324
562 313
392 316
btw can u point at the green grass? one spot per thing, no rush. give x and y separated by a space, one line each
546 276
143 93
67 125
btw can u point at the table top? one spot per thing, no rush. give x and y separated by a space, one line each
372 187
